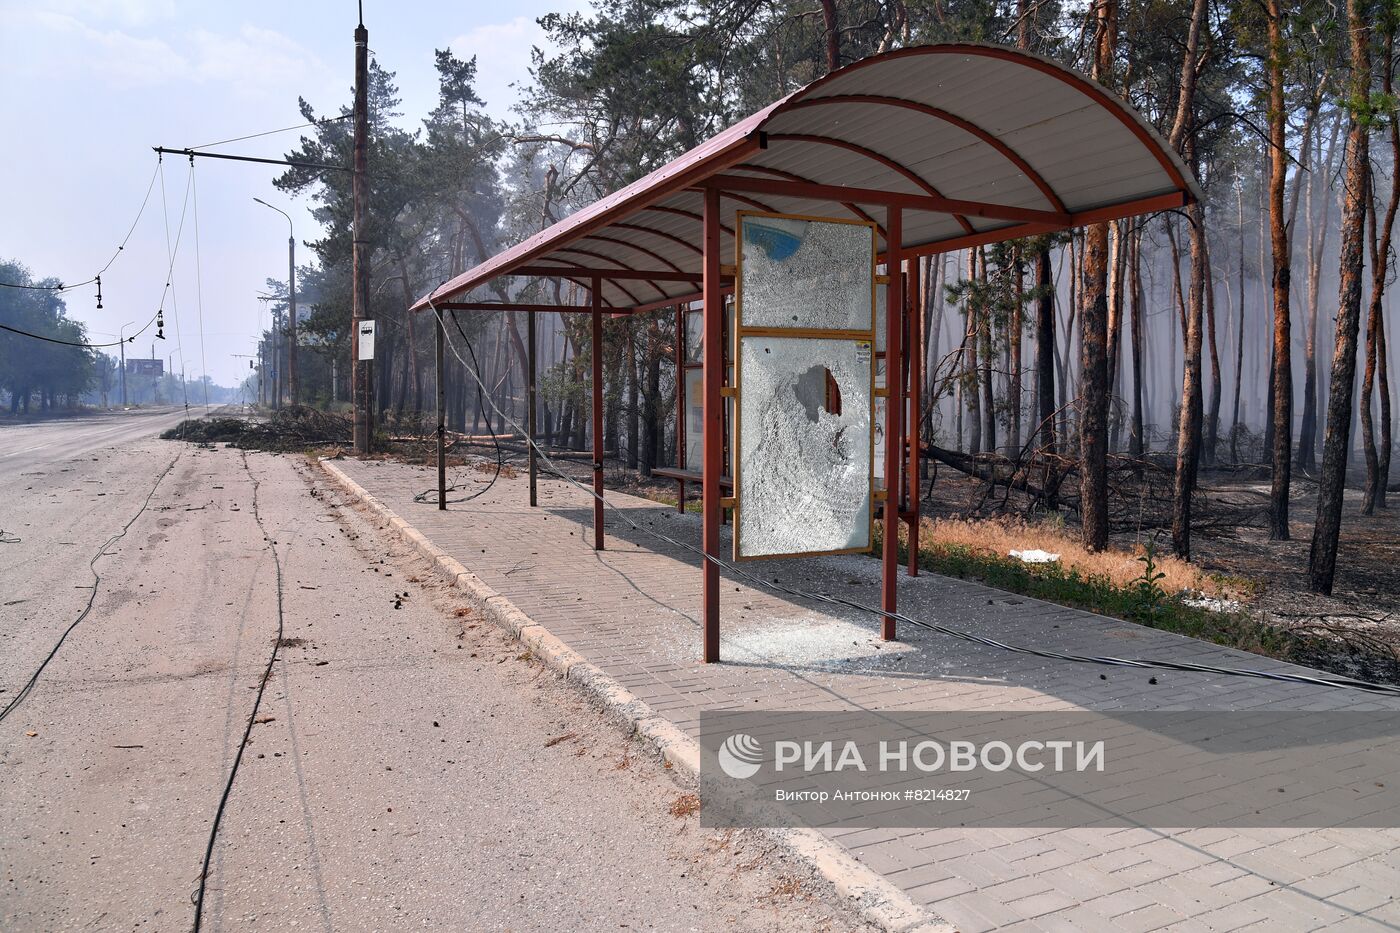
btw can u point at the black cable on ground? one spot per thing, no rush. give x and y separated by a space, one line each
429 496
776 586
198 896
92 596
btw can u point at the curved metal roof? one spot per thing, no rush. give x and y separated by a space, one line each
977 143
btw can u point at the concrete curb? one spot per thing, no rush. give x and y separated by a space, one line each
878 900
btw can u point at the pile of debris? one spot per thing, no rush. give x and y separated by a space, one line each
293 428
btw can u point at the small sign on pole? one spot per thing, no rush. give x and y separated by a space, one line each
366 340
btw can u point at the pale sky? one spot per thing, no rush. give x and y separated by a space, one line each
89 86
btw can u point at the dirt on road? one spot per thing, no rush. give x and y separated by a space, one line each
408 765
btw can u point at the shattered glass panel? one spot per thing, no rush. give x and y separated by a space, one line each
878 466
694 418
694 336
806 273
881 322
804 445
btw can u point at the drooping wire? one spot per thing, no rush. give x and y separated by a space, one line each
92 594
774 585
485 416
73 343
60 287
285 129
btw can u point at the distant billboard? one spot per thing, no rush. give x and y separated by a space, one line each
145 367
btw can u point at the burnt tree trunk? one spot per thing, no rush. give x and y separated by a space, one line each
1378 461
1318 229
1135 440
1188 440
1093 389
1045 349
1239 344
1212 425
1322 558
1281 378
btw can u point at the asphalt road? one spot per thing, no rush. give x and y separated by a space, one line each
31 446
408 766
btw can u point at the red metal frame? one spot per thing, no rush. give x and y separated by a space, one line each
841 193
896 167
894 419
597 354
713 454
793 176
913 385
938 113
703 171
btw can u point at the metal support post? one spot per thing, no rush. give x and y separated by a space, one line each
532 365
915 355
597 352
894 416
441 418
712 436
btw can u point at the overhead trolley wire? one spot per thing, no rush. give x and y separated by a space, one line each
776 586
60 287
285 129
72 343
160 308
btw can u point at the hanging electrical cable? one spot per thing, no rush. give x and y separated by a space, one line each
60 287
71 343
425 495
285 129
778 587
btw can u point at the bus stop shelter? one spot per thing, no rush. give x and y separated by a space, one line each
939 148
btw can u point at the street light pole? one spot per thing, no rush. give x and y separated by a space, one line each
292 382
122 337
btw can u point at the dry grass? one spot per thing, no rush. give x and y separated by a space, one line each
685 805
999 536
786 888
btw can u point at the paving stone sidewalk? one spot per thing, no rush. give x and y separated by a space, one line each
634 609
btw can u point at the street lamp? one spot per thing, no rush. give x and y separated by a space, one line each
122 337
291 301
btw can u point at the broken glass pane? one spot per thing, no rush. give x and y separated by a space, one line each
694 418
804 445
809 274
694 335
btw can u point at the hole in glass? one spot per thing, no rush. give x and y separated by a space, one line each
817 390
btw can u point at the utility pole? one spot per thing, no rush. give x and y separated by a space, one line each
292 384
276 365
359 372
121 334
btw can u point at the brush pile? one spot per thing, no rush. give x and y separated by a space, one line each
292 428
